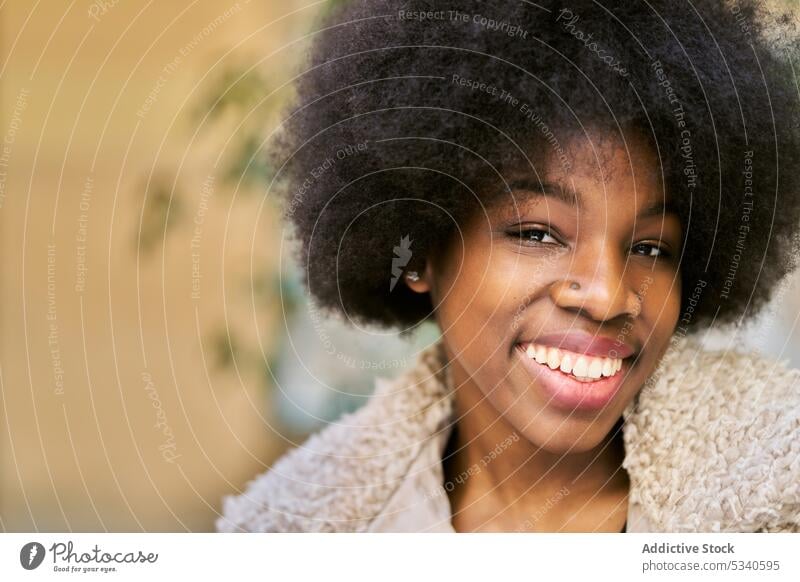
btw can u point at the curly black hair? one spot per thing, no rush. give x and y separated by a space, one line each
411 115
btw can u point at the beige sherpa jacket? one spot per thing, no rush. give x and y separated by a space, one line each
712 444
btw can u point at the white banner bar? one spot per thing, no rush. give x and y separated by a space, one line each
389 557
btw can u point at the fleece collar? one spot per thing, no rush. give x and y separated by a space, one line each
712 443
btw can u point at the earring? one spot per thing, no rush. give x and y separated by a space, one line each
412 276
574 286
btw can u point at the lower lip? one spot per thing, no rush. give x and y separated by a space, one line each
570 394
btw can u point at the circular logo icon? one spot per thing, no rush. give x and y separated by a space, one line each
31 555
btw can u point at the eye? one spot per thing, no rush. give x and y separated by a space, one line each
534 236
650 249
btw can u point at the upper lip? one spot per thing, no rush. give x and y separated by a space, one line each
582 342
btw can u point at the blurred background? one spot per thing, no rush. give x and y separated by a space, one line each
158 350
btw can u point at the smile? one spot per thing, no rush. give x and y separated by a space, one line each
582 367
572 381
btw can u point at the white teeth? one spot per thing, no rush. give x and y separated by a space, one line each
553 358
595 368
579 365
566 363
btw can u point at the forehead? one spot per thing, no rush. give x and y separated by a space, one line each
591 171
604 159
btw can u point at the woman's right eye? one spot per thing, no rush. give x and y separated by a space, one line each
534 236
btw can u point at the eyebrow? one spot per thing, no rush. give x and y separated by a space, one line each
572 198
557 191
658 208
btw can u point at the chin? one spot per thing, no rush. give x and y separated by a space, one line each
560 433
564 412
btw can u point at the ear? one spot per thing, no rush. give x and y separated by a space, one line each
423 282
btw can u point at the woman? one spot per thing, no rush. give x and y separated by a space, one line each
570 193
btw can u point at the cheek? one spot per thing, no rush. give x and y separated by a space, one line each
487 289
662 305
483 306
472 295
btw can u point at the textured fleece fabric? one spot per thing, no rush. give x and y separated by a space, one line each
712 444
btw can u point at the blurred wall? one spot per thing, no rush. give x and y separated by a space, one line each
112 415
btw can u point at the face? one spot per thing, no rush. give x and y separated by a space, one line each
557 303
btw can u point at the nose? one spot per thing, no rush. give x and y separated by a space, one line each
596 286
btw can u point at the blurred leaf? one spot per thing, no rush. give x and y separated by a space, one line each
330 6
163 208
224 349
284 291
248 163
236 89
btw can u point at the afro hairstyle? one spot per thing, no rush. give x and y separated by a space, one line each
403 127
